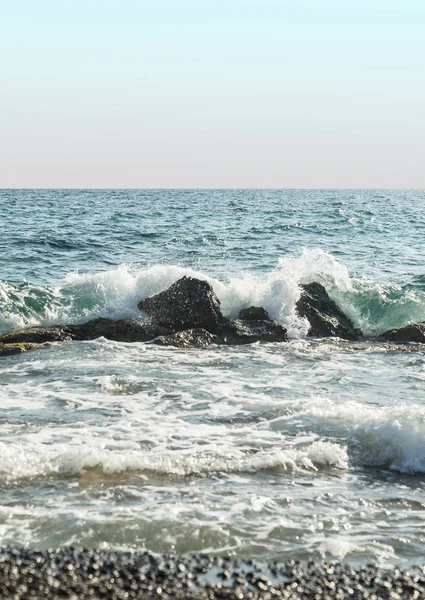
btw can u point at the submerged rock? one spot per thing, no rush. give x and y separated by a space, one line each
238 331
190 338
414 332
324 315
188 304
254 313
232 333
19 348
38 335
123 330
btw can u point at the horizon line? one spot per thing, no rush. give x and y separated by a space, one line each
214 188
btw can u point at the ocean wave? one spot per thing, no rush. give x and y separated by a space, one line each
385 437
389 438
373 306
331 435
396 442
33 461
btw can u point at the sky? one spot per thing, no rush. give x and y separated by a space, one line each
212 93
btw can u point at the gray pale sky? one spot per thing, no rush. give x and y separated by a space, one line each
212 93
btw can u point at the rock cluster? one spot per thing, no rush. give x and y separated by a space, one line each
188 315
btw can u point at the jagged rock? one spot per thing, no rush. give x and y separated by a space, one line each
190 338
414 332
324 315
254 313
38 335
238 331
188 304
123 330
19 348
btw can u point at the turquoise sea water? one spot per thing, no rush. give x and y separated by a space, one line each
302 450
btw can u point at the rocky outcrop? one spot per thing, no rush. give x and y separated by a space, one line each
188 314
324 315
188 304
190 338
12 349
254 313
414 332
239 331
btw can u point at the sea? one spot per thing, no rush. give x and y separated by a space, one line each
308 450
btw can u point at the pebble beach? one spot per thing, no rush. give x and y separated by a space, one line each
77 575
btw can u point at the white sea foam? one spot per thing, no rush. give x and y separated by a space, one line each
390 438
317 265
383 437
341 546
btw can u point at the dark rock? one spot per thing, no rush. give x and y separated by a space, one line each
237 331
324 315
414 332
19 348
230 332
188 304
254 313
123 330
190 338
38 335
11 349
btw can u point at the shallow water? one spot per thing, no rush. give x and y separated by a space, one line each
307 449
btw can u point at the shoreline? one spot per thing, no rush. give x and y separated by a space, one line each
89 573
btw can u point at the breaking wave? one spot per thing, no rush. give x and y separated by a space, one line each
391 438
35 461
366 436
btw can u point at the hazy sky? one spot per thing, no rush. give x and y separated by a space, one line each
212 93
